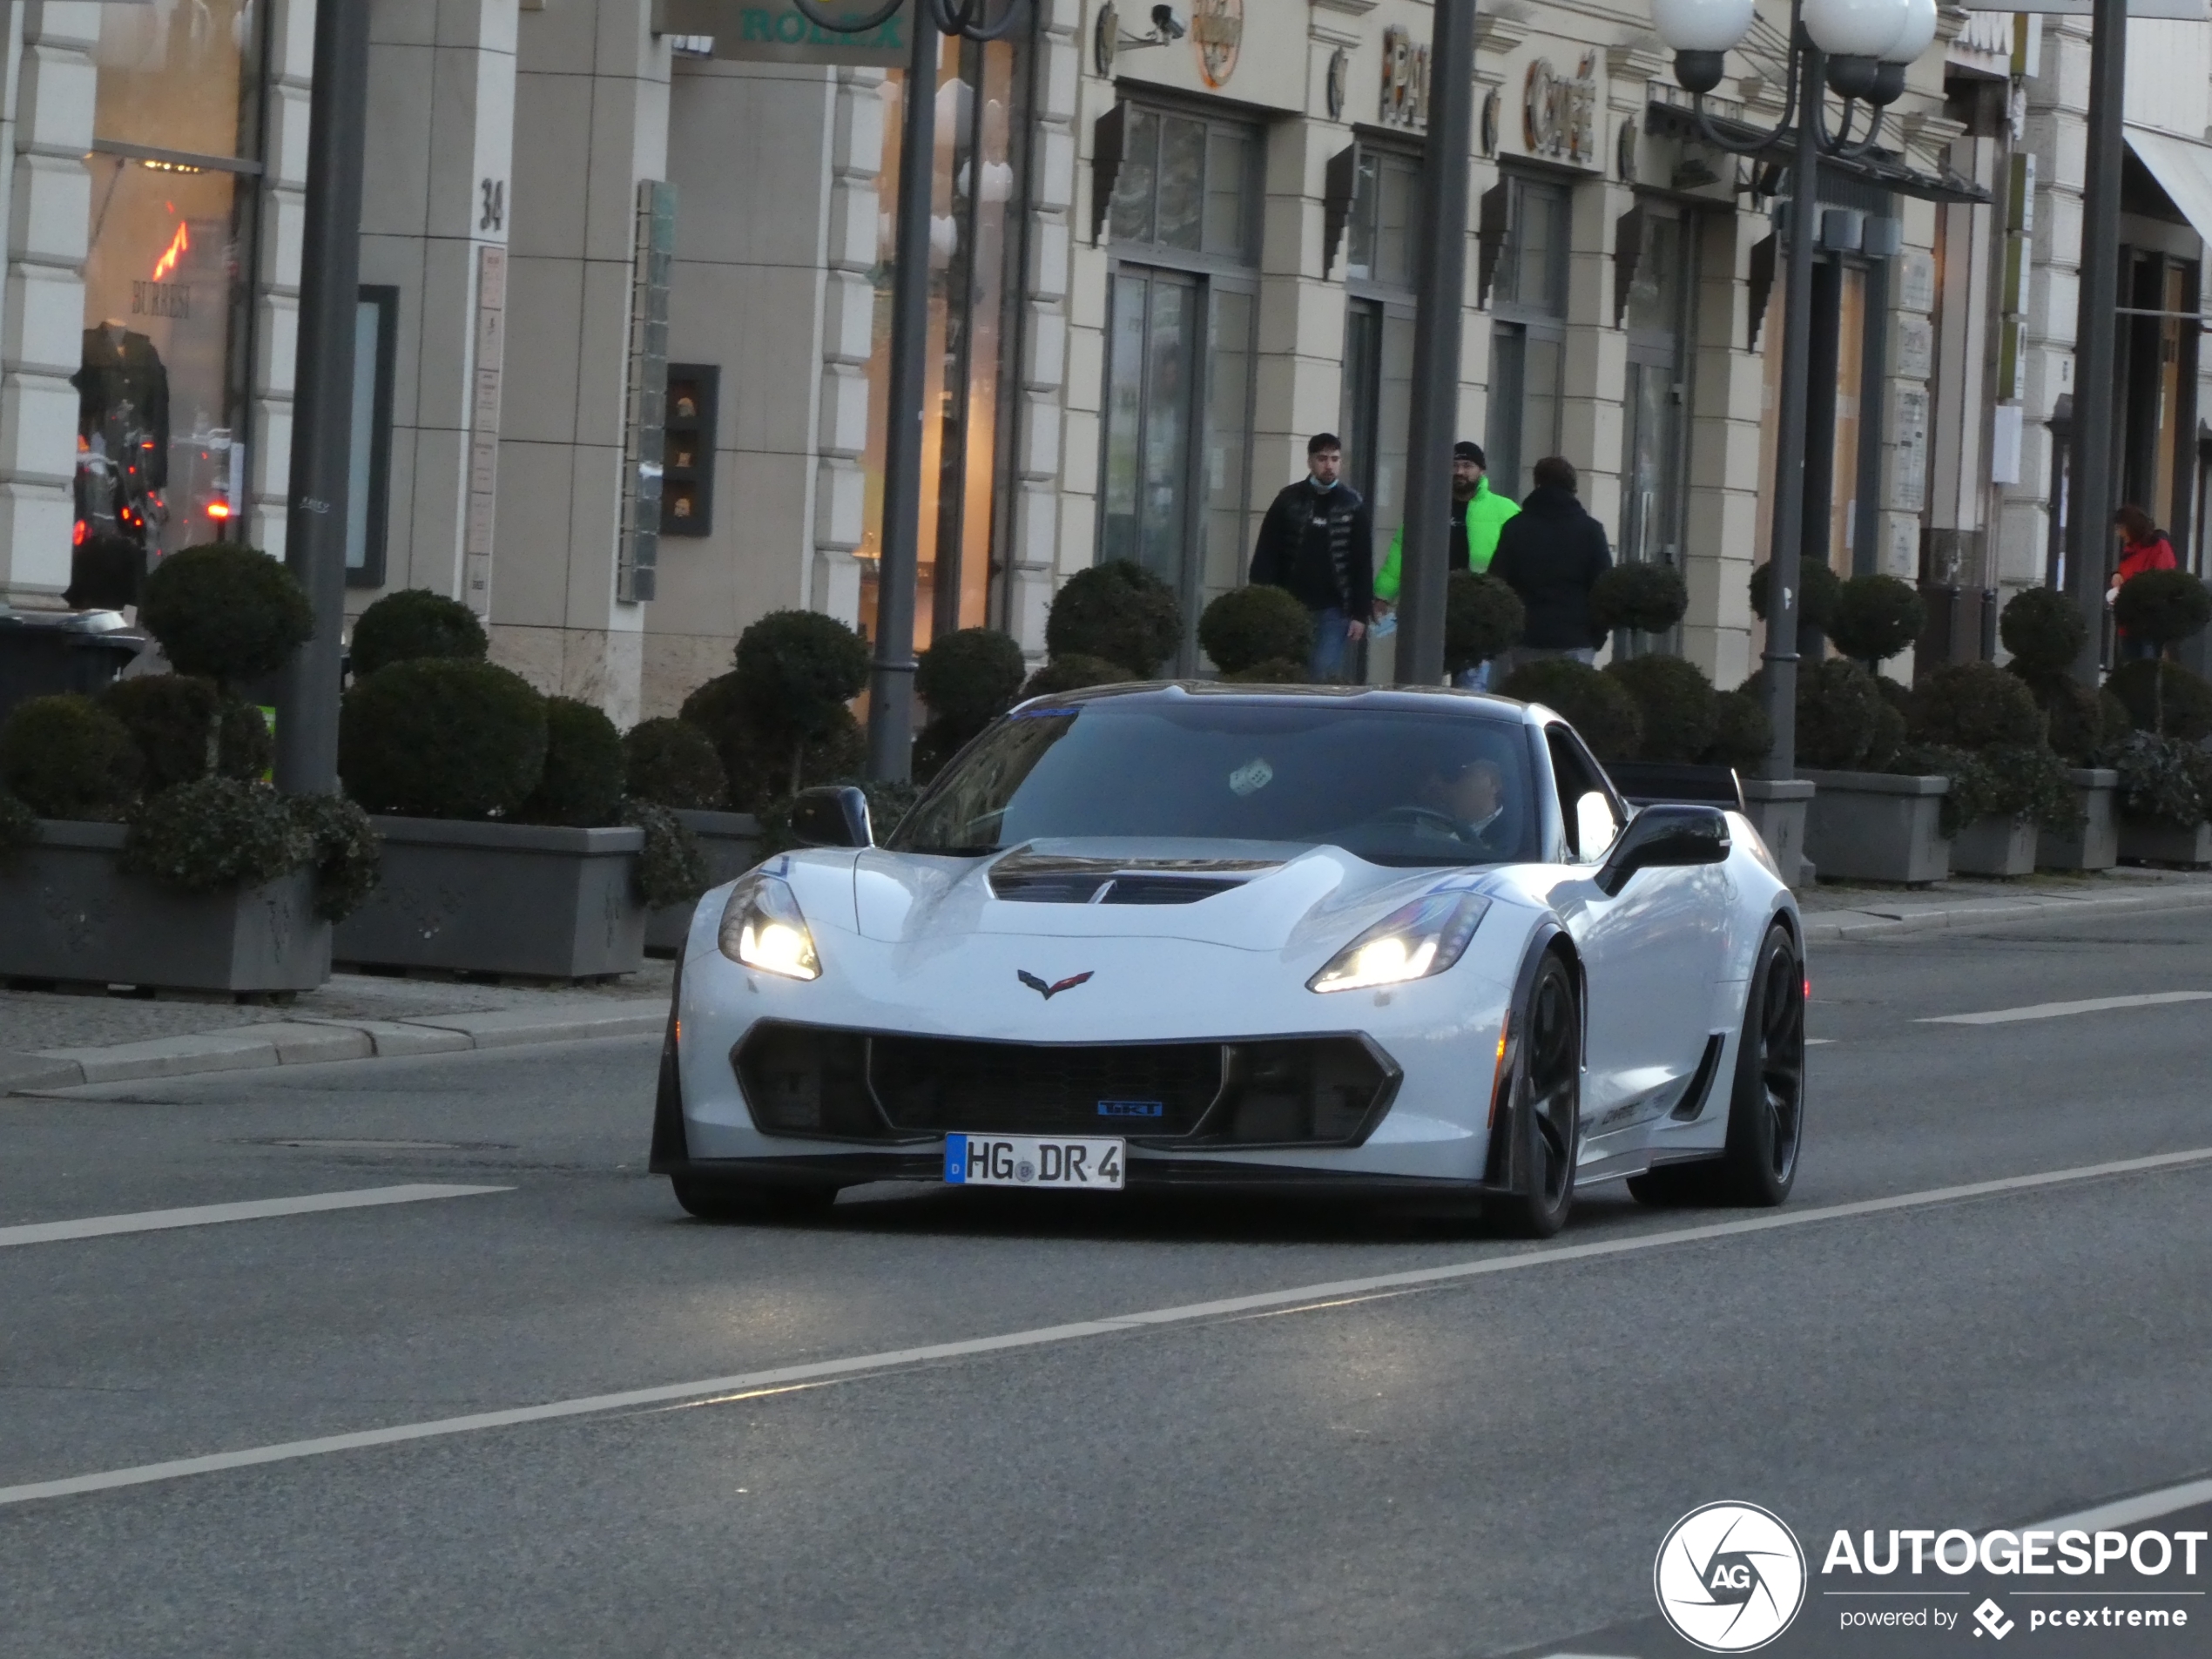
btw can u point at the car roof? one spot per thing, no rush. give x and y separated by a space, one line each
1423 699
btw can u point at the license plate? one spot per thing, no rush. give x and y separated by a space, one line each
1091 1165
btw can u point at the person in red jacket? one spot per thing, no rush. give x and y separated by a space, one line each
2144 547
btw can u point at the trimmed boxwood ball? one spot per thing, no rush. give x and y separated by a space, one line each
1874 617
1482 616
1598 707
348 852
441 738
216 835
2164 698
2045 631
171 716
970 677
65 757
2162 607
1742 736
1119 611
225 610
671 763
413 622
1280 671
1260 623
1818 586
2080 721
581 785
1677 704
1974 705
797 670
1651 598
756 753
1841 714
1072 673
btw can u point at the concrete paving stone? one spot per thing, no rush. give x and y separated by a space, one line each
171 1056
507 1027
27 1071
300 1043
394 1037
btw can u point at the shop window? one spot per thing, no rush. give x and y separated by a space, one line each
163 381
368 477
1186 182
1528 337
1382 244
687 455
1385 228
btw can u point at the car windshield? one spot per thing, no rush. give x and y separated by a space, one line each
1390 785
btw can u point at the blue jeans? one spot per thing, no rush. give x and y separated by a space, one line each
1325 662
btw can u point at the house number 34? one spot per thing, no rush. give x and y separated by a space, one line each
494 216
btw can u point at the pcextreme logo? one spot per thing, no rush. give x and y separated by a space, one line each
1729 1577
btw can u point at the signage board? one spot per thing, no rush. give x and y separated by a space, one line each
774 31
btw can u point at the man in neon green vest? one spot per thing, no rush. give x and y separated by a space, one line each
1479 514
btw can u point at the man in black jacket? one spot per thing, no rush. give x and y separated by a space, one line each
1552 554
1317 542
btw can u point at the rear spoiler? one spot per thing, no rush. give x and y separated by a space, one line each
1644 783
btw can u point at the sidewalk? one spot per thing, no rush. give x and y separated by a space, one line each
1842 912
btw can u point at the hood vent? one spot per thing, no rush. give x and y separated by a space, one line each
1029 879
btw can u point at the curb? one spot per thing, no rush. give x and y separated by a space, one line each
311 1041
1876 921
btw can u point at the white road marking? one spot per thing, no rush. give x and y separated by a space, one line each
1818 1043
2128 1512
1051 1335
146 1221
2058 1010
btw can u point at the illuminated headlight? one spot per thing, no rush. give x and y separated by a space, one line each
763 928
1411 942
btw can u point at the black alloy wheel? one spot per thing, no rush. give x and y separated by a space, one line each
718 1198
1766 1112
1546 1106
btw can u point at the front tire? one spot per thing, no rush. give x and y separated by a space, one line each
718 1198
1546 1107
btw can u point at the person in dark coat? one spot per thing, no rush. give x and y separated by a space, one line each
1318 543
1552 554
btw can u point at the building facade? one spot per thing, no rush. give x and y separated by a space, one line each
623 345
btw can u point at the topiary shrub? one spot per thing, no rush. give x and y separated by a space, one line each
1651 598
1818 586
2164 698
671 763
1598 707
1482 616
225 610
1279 671
2079 722
797 670
1119 611
413 622
1260 623
1072 673
346 849
2045 631
65 757
1742 736
1676 702
1842 716
2006 781
2162 781
2162 608
176 718
756 754
1975 706
580 782
215 834
970 677
19 829
441 738
670 869
1874 617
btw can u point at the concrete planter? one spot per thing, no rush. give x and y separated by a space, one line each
2145 841
730 844
1877 826
1778 807
2094 844
526 899
72 915
1992 846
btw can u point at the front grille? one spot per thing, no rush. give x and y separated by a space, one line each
824 1083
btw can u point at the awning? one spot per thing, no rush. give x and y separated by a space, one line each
1884 169
2183 169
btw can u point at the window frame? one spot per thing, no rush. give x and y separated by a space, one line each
376 526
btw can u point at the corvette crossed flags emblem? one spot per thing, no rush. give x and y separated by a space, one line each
1045 991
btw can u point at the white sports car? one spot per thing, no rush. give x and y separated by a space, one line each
1308 940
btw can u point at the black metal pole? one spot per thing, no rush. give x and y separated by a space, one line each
1780 657
322 400
2088 530
890 682
1442 287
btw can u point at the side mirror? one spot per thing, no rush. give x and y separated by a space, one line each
1665 837
831 815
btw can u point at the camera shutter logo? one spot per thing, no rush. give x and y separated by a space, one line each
1729 1577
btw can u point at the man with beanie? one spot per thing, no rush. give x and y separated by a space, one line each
1317 542
1552 556
1478 514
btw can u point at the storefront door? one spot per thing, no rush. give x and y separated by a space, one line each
1528 338
1657 319
1150 415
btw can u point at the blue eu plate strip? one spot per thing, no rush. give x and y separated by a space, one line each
956 1158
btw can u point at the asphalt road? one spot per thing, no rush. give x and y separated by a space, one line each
1482 1463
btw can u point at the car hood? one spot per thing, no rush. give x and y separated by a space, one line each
1255 896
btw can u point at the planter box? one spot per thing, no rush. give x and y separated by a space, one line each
2143 841
730 844
2095 843
1876 826
1777 806
1995 846
527 898
71 913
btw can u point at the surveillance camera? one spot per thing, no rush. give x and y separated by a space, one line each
1164 25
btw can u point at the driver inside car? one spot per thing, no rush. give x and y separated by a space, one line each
1471 792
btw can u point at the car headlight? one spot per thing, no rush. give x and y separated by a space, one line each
763 928
1411 942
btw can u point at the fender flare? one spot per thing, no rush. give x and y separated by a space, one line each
1505 1163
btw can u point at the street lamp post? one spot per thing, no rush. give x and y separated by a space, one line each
1860 49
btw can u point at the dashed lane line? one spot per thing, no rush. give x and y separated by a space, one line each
2060 1010
204 1214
